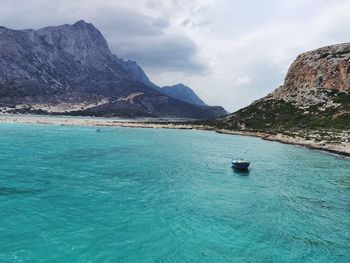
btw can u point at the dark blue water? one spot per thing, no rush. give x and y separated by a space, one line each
73 194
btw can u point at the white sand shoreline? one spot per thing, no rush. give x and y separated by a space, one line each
338 148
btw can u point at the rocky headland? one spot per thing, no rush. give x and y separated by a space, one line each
311 108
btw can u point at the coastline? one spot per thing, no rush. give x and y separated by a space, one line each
338 148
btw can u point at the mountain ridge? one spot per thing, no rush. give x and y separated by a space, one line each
69 69
177 91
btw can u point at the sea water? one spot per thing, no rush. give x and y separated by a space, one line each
92 194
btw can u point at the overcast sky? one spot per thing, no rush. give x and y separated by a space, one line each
230 52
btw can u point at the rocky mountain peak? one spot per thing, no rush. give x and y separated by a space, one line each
77 39
82 23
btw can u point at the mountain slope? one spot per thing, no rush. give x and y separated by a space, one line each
178 91
70 69
133 69
184 93
313 102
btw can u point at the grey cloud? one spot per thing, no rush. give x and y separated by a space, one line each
186 22
126 22
142 38
154 4
161 23
167 52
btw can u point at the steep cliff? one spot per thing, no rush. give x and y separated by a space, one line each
315 74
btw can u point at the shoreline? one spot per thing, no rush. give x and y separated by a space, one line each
340 148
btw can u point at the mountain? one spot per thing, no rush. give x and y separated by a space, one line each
136 71
313 103
178 91
69 69
184 93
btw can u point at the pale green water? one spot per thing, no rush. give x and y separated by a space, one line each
72 194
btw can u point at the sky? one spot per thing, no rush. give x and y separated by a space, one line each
230 52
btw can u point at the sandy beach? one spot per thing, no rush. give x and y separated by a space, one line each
342 148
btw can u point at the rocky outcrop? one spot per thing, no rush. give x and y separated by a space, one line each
70 69
324 68
313 75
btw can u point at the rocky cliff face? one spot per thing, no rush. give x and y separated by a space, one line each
324 68
314 100
313 75
70 69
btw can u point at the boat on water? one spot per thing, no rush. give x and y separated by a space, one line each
240 164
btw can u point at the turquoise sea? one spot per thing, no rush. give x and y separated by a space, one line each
89 194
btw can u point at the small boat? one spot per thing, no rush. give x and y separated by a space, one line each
240 164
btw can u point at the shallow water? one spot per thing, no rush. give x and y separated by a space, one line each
76 194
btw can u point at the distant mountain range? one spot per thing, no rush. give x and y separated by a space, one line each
69 69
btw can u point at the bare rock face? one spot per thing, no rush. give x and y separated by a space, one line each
314 74
324 68
56 63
